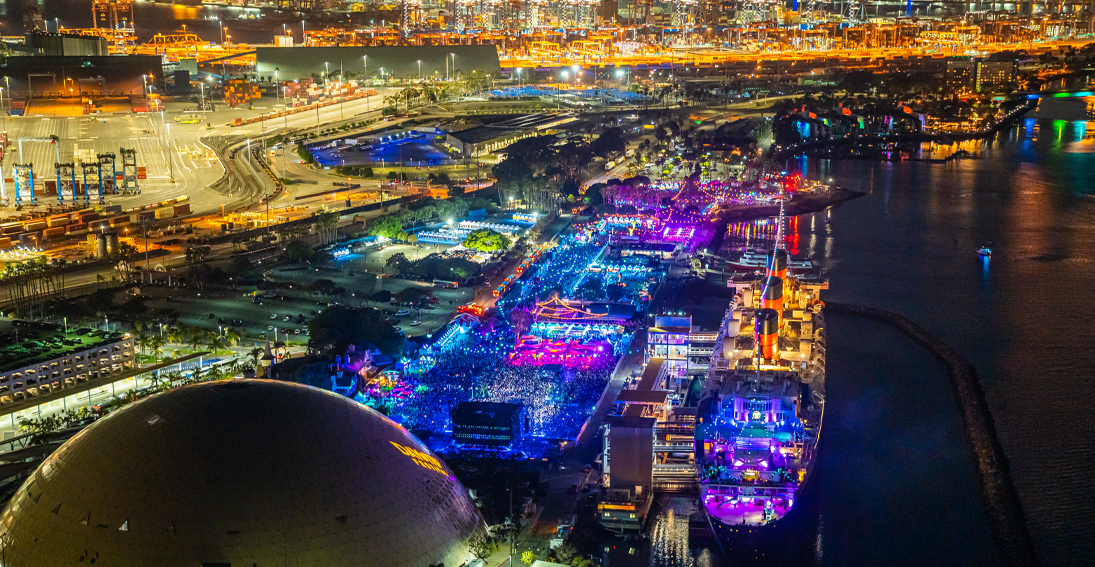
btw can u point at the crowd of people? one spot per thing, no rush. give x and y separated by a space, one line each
557 400
558 387
558 271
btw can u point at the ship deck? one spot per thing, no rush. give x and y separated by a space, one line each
742 513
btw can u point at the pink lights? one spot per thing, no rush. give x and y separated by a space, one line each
535 351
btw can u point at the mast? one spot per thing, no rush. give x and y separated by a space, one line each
782 219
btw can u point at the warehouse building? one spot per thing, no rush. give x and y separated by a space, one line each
438 61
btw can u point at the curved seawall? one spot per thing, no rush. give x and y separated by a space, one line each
1001 501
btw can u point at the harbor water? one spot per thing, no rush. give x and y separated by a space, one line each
895 482
1022 318
244 25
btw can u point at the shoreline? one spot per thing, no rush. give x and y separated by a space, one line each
998 494
808 148
806 205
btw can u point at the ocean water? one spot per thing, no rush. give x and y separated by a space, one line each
1023 318
895 483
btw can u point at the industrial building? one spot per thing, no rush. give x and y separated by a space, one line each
408 63
39 43
489 138
649 445
76 75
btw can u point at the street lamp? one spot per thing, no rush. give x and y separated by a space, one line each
624 72
326 72
277 84
420 70
518 76
365 62
303 40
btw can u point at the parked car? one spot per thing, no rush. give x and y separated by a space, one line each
402 313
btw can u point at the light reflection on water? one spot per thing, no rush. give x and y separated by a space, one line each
677 536
669 534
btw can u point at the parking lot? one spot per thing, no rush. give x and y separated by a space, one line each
356 274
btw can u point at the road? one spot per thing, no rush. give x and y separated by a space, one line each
177 157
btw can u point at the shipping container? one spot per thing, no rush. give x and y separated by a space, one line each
111 209
74 228
146 216
183 209
11 228
165 213
120 221
86 217
30 239
34 225
99 225
53 233
58 220
5 243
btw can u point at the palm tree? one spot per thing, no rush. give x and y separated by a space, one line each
255 354
231 336
214 341
140 336
174 335
195 339
155 344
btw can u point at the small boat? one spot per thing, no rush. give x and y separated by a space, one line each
984 251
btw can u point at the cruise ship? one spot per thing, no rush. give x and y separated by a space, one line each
760 415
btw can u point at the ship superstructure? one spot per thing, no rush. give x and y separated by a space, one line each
761 412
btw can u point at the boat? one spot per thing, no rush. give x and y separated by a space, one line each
984 251
750 260
759 419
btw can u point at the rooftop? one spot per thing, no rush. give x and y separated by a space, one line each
25 343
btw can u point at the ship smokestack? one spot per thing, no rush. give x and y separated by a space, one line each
772 294
777 264
767 333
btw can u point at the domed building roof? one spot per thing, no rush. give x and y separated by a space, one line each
243 473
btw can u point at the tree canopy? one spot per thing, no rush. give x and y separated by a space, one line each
388 226
610 142
487 240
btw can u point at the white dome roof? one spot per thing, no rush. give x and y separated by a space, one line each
247 473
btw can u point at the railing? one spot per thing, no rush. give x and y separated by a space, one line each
674 446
